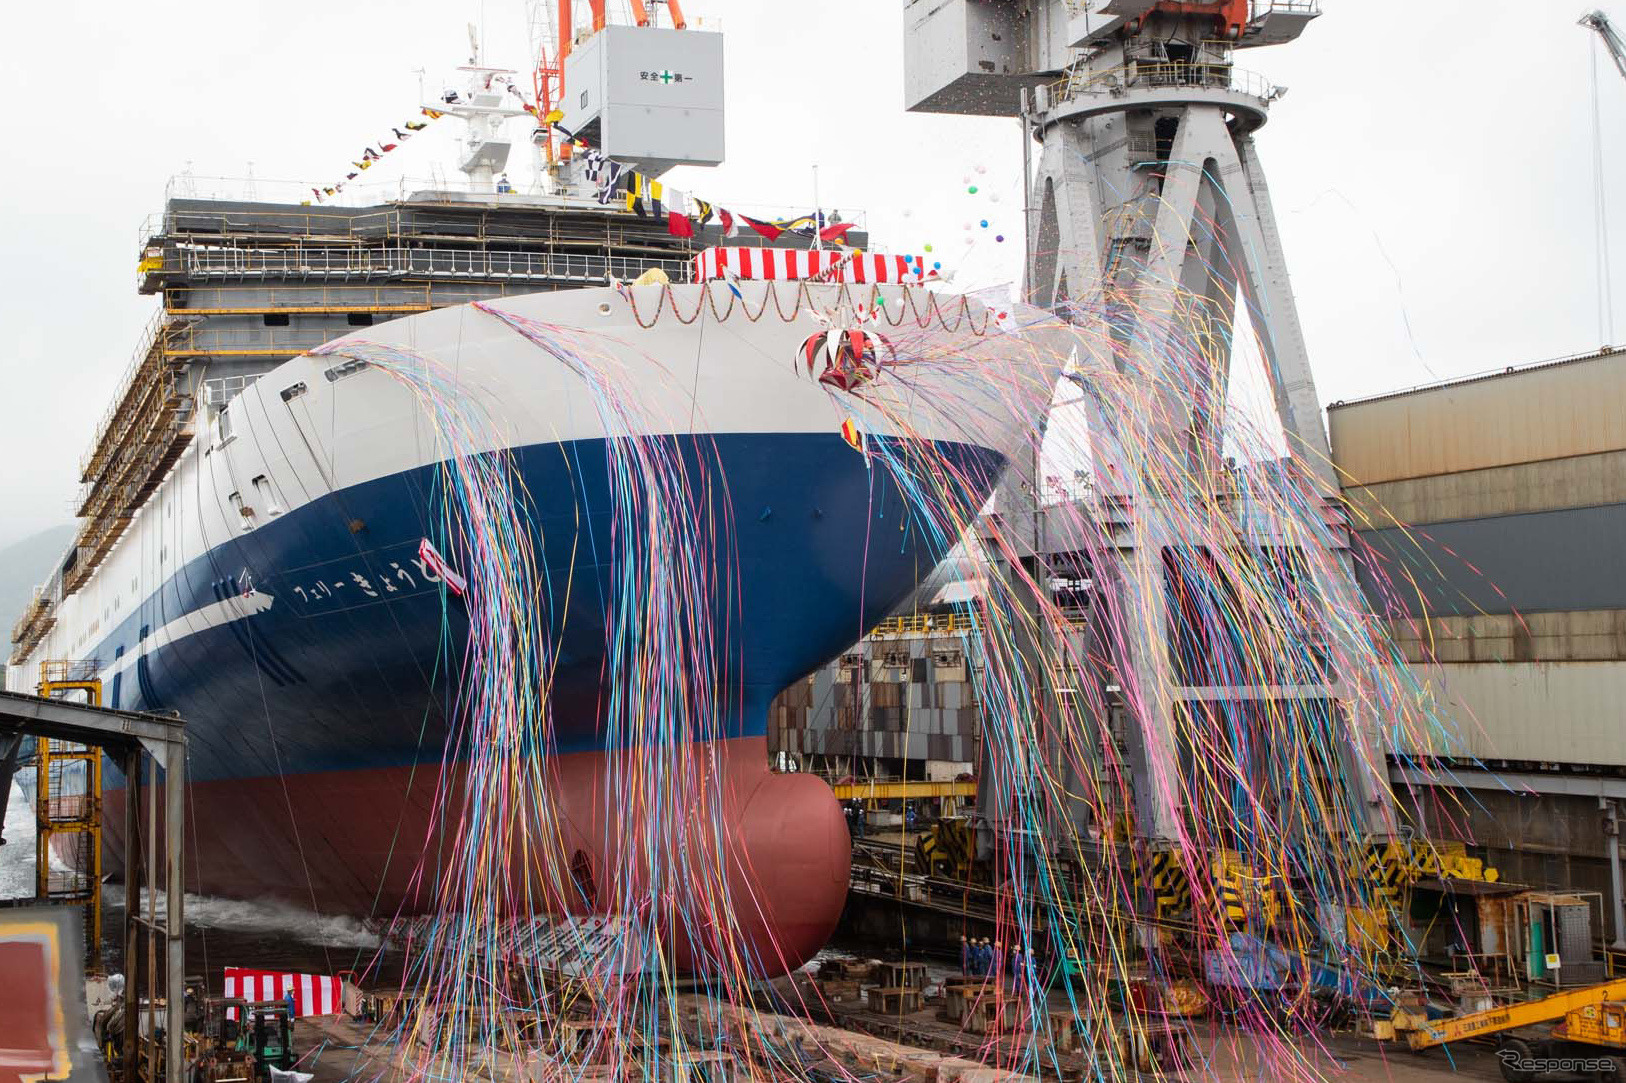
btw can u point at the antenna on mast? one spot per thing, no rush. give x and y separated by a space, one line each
485 106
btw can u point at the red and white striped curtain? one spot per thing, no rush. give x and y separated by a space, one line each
314 994
796 263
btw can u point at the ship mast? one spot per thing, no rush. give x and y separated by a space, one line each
490 99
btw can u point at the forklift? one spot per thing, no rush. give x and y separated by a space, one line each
243 1041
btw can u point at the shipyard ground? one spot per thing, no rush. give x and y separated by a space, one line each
338 1049
913 1046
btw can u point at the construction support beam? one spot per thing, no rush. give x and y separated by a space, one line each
174 909
138 743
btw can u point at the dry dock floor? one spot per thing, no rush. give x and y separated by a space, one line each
339 1050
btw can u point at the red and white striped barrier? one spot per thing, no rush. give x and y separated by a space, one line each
791 264
314 994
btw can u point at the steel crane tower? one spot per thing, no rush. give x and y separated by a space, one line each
1598 21
1148 182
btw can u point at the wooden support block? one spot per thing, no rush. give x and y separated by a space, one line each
1063 1035
893 1001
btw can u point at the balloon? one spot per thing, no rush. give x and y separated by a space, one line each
968 225
928 248
972 189
985 223
937 266
908 259
982 169
1000 239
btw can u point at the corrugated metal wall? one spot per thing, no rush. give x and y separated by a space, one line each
1571 559
1549 412
1512 560
1579 636
1539 712
1582 481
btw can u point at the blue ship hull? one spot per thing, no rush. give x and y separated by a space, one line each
318 725
349 667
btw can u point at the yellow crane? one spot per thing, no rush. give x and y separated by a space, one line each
1591 1028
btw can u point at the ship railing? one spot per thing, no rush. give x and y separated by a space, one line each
306 213
926 624
290 222
319 298
299 213
1142 74
323 298
69 669
206 341
356 193
1261 8
370 262
297 195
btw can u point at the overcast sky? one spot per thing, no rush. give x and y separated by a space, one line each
1431 168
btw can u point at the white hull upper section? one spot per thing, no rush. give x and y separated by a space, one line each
281 446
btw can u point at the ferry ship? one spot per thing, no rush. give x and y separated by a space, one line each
254 521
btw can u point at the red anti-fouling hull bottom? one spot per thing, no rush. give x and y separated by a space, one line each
367 843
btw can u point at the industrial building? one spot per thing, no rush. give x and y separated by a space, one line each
1505 590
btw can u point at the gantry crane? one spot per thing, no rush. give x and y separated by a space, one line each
1597 20
1148 182
554 33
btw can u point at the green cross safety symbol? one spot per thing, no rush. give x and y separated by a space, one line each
666 77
